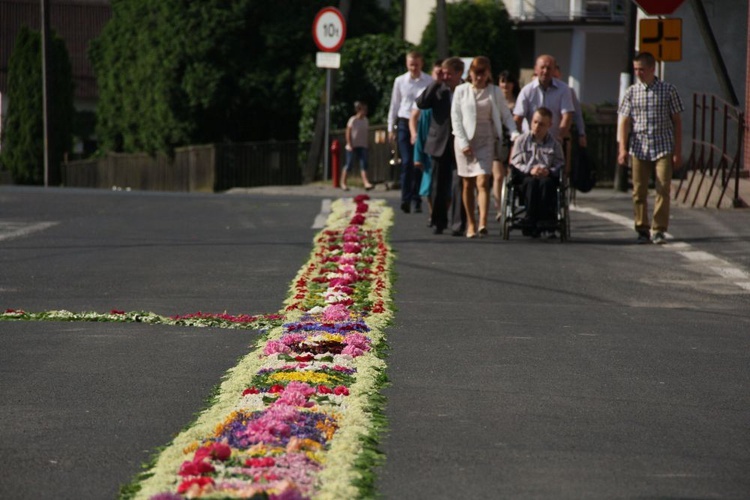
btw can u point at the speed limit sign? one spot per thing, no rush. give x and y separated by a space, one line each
329 29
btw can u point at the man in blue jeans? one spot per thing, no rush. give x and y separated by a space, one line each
406 88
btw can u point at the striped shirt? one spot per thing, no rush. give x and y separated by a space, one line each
650 108
528 153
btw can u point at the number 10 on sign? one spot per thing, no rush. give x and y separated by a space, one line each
329 29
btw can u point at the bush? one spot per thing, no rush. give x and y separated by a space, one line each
480 28
173 73
369 65
169 73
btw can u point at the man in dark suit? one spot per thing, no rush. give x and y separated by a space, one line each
439 145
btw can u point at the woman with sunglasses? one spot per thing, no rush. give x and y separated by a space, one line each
478 114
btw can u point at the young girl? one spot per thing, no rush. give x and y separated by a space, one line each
356 144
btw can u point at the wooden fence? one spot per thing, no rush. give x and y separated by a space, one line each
212 167
218 167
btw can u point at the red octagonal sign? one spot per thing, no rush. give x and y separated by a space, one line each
658 7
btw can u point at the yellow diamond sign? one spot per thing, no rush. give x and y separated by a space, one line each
662 38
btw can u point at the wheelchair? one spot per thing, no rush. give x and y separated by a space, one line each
513 209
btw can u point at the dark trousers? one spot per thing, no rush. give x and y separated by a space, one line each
443 169
540 194
411 178
457 210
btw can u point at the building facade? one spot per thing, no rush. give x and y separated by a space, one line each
587 37
589 40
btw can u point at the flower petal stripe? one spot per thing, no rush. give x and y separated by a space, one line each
294 417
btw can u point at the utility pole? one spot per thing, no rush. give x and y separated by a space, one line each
45 85
441 27
626 78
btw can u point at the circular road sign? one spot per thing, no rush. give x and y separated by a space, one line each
329 29
658 7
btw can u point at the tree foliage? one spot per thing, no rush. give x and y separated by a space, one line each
368 66
178 72
169 73
478 28
23 127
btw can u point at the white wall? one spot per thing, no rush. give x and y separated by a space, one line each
416 17
604 60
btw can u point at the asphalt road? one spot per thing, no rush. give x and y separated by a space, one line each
83 405
520 369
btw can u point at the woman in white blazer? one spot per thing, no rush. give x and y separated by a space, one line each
478 113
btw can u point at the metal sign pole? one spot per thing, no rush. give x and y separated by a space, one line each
329 33
45 107
327 134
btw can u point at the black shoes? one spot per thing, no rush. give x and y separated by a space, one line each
406 207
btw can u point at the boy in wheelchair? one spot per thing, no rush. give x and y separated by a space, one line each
538 161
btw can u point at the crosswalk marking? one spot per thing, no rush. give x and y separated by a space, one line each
322 217
12 230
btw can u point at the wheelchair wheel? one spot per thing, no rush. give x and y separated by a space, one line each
564 226
506 209
563 215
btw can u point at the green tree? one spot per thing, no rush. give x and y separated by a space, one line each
23 129
281 53
169 73
476 28
368 66
178 72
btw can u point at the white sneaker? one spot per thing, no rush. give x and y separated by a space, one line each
659 238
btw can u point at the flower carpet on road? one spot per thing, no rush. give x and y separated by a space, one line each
199 319
299 416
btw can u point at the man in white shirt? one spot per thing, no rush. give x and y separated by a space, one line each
546 91
406 88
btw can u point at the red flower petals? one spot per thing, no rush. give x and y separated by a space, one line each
357 220
260 462
196 468
198 483
214 451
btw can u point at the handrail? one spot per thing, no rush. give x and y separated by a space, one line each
709 159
